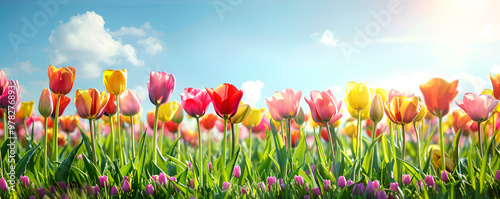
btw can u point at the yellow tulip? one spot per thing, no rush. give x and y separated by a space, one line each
365 113
253 118
170 111
358 95
240 115
383 93
350 128
136 117
423 111
26 110
276 124
436 158
337 123
115 81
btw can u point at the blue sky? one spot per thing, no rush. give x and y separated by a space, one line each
266 45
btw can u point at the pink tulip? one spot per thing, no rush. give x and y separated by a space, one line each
429 180
11 96
149 189
195 101
25 180
444 177
394 186
341 182
243 190
3 82
393 93
225 186
237 172
114 191
103 181
324 107
406 179
326 185
299 180
160 86
126 186
478 107
284 105
130 104
162 179
41 192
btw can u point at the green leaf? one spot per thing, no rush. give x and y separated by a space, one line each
126 169
25 160
91 169
414 170
232 163
275 163
139 162
484 164
171 150
86 141
246 170
456 143
63 171
300 151
280 147
321 152
370 154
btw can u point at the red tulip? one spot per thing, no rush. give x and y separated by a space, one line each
284 105
110 108
45 105
68 123
62 105
171 126
226 99
195 102
324 107
160 87
130 104
438 94
61 79
208 121
151 120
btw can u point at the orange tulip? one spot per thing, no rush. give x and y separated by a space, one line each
61 79
190 136
208 121
68 123
438 94
151 120
62 104
61 141
461 121
402 109
495 81
89 104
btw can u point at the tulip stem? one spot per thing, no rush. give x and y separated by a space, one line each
404 141
441 141
479 138
418 145
250 144
289 146
209 146
330 137
224 146
112 134
359 140
45 151
374 135
232 138
118 129
161 138
155 129
92 140
26 129
55 130
5 129
132 138
200 165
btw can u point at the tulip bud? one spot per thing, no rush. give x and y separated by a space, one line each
25 180
190 165
243 190
41 191
349 182
358 190
237 172
316 191
262 186
154 178
225 186
282 183
377 109
306 197
63 185
444 177
126 178
381 195
162 179
103 181
191 183
52 189
32 197
394 186
126 186
149 189
45 106
326 185
210 166
370 189
376 184
342 182
96 190
299 180
271 181
406 179
300 117
429 180
497 175
114 191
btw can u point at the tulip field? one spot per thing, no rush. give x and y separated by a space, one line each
386 144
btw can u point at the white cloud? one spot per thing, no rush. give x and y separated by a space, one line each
85 41
9 71
25 67
152 45
328 38
495 69
490 31
129 31
252 92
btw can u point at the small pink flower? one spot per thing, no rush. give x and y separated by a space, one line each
25 180
497 175
444 177
149 190
114 191
341 182
326 185
210 166
103 181
316 191
225 186
394 186
299 180
243 190
126 186
429 180
237 172
406 179
162 179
